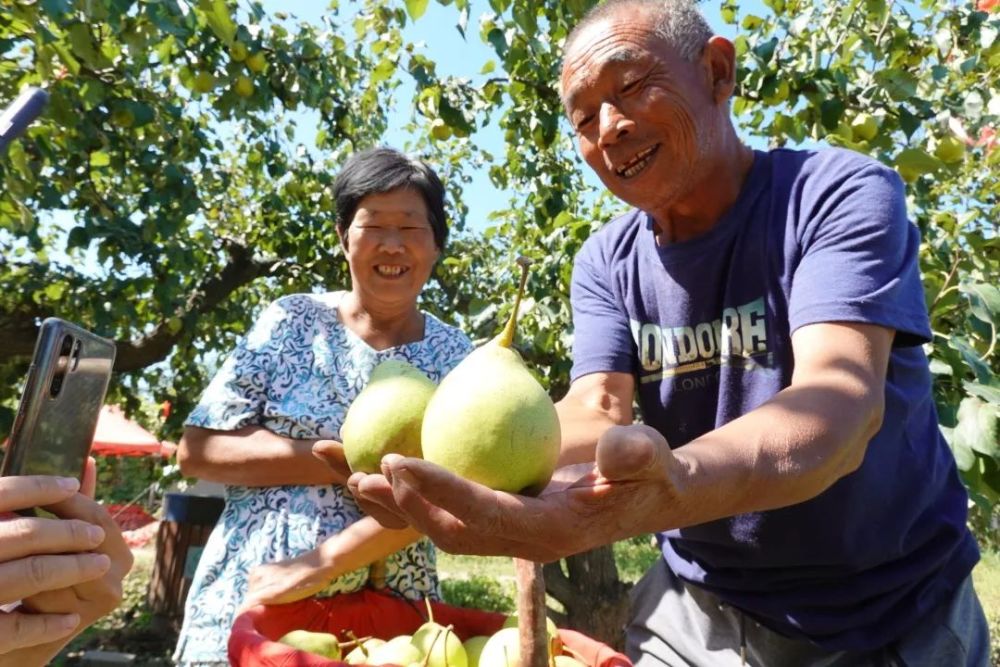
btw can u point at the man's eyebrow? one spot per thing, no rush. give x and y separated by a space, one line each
626 54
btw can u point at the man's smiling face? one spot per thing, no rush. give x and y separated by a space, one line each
642 114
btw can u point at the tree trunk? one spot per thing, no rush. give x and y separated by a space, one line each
596 600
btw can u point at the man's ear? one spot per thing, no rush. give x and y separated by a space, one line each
342 235
719 58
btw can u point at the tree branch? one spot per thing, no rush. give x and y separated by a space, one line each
242 269
19 328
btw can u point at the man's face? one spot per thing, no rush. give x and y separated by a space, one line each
642 114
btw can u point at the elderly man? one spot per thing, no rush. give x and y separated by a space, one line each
766 310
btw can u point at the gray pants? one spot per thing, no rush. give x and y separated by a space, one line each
684 626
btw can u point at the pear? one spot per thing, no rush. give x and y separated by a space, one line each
359 654
490 421
397 651
440 645
566 661
473 648
386 416
503 649
320 643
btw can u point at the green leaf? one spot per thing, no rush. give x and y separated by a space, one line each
984 301
57 9
99 159
416 8
982 372
831 111
977 427
985 392
899 84
965 458
219 20
918 161
908 122
54 291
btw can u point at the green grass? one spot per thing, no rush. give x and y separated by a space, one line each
459 567
986 578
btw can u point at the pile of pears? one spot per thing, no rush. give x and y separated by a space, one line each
489 420
432 645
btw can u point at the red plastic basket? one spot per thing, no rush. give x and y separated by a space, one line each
369 613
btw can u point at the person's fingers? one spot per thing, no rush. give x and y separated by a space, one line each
25 577
19 630
331 453
458 515
88 486
24 536
23 492
632 452
80 507
373 494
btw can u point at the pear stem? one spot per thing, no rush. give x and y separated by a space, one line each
506 338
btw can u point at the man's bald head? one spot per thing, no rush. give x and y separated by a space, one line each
678 22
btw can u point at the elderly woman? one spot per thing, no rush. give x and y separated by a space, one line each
287 387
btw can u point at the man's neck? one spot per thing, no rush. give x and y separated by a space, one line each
713 194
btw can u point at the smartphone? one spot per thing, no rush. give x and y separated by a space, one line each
62 398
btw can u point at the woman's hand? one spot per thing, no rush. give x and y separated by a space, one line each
288 580
46 558
331 453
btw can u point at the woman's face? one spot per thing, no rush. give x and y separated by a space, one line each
390 246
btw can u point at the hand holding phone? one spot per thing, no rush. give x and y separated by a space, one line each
67 571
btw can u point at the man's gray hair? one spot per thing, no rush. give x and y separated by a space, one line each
678 22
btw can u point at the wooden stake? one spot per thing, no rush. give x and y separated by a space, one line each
534 647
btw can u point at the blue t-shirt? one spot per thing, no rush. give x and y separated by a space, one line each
705 328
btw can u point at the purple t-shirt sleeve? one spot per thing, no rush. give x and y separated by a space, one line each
858 255
602 341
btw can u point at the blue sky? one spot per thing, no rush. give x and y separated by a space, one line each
454 57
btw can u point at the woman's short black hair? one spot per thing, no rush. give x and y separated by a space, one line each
380 170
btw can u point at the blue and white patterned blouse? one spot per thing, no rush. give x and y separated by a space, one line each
296 373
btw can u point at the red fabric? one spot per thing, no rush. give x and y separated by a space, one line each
370 614
117 435
130 517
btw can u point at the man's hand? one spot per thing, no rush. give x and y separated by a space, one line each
288 580
629 491
42 557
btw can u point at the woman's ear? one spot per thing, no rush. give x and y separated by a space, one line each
342 236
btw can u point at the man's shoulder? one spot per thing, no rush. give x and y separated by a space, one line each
827 164
615 236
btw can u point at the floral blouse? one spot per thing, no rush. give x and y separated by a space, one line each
296 373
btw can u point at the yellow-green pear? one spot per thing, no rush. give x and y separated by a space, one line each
359 654
490 421
502 650
473 648
440 645
320 643
397 651
386 416
566 661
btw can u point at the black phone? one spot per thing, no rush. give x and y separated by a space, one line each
61 401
